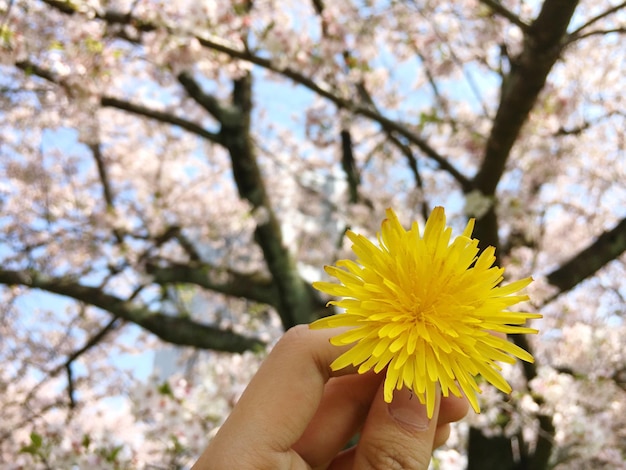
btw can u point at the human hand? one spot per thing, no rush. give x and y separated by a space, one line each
298 414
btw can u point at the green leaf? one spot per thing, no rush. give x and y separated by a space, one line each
36 442
165 389
429 117
5 34
111 456
36 439
178 447
94 46
56 46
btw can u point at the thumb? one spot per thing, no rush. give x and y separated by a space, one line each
397 435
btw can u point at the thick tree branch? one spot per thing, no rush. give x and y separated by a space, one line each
607 247
349 166
161 116
175 330
543 43
189 247
503 11
295 300
110 16
109 101
249 286
63 6
31 68
96 151
208 102
542 48
70 385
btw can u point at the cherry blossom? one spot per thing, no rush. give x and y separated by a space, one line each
175 174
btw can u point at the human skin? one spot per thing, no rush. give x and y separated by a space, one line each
298 414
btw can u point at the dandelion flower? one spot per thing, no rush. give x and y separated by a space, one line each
425 309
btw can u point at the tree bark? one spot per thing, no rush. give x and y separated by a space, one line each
176 330
607 247
543 44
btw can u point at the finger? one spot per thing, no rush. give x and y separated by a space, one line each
452 409
345 459
341 413
397 435
277 405
442 433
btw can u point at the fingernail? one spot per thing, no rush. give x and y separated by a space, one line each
406 408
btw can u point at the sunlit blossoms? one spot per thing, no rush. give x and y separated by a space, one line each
172 166
426 308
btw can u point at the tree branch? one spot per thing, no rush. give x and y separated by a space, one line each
249 286
419 183
96 151
574 35
441 103
542 48
95 339
545 442
208 102
501 10
597 32
70 385
387 124
160 116
175 330
347 160
91 342
349 166
63 6
188 246
295 300
108 101
520 89
31 68
607 247
219 45
110 16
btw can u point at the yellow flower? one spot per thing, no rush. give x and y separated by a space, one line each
425 309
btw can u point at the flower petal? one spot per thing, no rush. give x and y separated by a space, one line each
423 307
